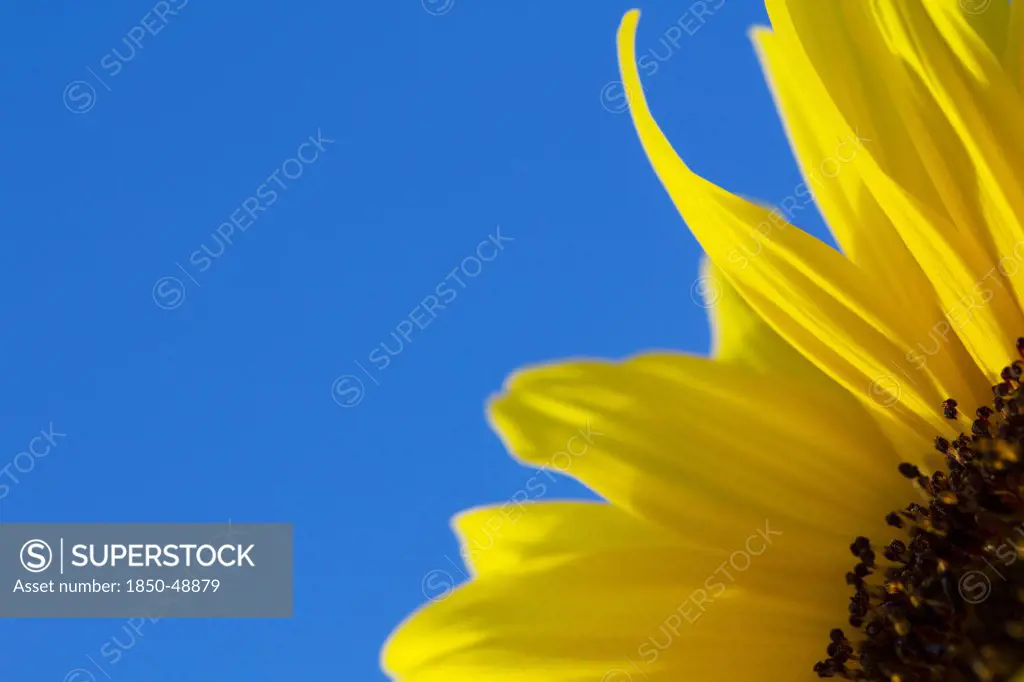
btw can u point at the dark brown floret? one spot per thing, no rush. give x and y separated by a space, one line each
947 602
949 408
1016 370
910 470
895 550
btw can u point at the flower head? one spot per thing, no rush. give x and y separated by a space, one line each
832 492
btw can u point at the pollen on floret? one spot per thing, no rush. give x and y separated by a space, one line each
945 602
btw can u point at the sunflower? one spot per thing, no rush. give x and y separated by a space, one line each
812 500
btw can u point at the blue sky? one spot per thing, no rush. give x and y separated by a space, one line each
200 376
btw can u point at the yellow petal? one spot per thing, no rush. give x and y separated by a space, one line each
740 337
522 536
975 304
703 447
833 48
861 224
812 296
988 18
1014 55
982 110
604 594
844 45
826 147
981 310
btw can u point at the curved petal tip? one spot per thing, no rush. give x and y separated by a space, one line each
625 39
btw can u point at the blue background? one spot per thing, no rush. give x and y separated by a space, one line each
223 406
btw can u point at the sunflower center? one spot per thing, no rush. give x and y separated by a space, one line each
946 599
